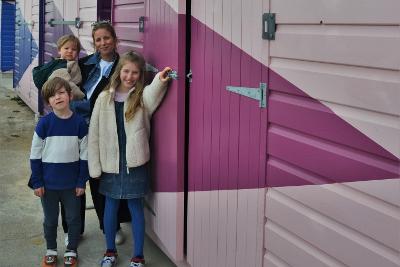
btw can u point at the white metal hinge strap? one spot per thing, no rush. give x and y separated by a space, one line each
259 94
77 22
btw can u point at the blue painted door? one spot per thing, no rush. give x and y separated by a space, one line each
7 36
26 50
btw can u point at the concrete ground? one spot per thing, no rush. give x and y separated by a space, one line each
21 232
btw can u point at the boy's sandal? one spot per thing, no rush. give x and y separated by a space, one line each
50 259
70 258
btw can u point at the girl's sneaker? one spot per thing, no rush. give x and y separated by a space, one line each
137 262
50 259
70 258
109 259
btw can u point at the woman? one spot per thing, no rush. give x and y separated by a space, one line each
96 70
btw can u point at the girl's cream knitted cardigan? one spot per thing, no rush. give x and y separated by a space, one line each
103 150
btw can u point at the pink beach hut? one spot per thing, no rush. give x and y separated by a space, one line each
278 141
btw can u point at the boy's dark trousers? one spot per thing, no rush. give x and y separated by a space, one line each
83 211
51 209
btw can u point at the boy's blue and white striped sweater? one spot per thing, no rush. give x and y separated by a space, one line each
59 153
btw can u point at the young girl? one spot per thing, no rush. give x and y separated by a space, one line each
119 147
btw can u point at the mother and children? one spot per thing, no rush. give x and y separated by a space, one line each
98 127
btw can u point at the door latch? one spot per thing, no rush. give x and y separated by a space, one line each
172 74
268 26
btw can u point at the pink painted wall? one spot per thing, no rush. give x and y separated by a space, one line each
125 19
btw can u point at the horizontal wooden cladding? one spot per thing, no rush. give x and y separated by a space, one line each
87 43
369 209
49 7
128 13
126 2
128 31
311 117
87 3
337 12
292 250
330 225
366 88
50 49
387 191
88 14
368 46
129 46
35 10
337 162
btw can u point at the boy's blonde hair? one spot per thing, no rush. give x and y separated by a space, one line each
68 38
134 100
50 87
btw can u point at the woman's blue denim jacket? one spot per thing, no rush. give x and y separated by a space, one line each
90 68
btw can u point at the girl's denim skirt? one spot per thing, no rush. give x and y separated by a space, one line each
126 185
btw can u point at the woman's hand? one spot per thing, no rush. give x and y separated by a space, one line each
39 192
164 74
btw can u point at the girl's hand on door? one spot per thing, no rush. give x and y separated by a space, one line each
164 74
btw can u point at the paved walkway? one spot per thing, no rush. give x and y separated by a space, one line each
21 238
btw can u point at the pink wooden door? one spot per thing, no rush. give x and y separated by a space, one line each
227 135
164 45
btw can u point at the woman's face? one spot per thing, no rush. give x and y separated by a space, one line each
104 43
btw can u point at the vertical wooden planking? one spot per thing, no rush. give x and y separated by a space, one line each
215 132
194 165
229 130
190 228
234 136
207 126
244 135
224 232
197 130
164 25
241 227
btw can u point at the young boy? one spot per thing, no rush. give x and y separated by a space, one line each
59 168
65 67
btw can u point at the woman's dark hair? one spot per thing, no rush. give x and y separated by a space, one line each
104 24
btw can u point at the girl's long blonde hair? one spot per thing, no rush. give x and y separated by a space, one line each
134 100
